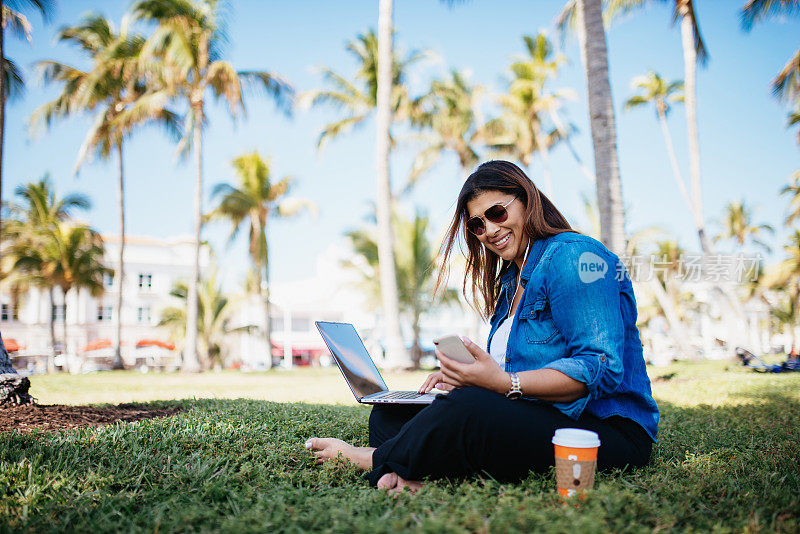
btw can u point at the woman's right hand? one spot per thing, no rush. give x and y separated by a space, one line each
434 380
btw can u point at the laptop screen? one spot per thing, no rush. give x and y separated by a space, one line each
347 348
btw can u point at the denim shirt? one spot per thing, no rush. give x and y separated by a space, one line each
578 315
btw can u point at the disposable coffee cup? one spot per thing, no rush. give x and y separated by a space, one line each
576 460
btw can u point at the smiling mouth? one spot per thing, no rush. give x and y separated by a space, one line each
501 243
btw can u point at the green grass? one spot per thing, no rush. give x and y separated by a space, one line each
728 460
300 385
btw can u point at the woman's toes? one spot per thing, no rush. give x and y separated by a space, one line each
401 484
317 444
387 481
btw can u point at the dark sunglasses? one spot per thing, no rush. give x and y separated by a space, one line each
496 214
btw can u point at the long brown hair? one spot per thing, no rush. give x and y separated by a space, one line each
485 268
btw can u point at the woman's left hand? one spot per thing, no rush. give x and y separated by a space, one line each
483 373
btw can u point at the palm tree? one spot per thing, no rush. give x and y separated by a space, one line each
122 97
68 256
30 231
792 190
794 118
787 316
653 89
255 200
77 253
449 114
416 258
786 85
11 80
530 123
189 40
694 52
358 97
785 278
604 134
379 85
642 275
213 318
395 352
738 225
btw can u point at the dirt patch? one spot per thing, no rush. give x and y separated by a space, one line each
61 417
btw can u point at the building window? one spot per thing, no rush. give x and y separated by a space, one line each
59 311
143 314
104 313
7 312
301 324
145 281
276 324
108 279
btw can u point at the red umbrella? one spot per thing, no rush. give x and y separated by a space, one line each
155 343
97 344
12 345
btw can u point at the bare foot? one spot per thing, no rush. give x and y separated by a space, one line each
331 448
396 484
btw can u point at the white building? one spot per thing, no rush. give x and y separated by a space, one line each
152 266
332 294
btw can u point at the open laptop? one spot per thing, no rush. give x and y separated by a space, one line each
359 370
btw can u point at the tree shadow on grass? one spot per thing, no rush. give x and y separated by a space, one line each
240 465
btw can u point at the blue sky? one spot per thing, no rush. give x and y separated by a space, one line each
746 150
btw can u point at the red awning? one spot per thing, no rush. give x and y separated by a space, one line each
97 344
300 350
155 343
11 345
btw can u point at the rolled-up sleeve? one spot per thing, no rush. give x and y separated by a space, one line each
585 304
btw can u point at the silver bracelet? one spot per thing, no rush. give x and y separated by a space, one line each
515 392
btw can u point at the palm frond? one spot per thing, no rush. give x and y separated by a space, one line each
754 11
567 20
335 129
97 139
13 80
293 206
46 8
17 23
271 84
423 162
786 84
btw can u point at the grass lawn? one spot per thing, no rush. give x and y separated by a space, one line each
728 459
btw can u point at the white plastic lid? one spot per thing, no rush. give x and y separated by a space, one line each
576 437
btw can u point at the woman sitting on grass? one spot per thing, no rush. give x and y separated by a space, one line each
564 351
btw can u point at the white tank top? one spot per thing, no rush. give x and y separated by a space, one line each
499 344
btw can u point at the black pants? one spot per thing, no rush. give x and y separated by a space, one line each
473 430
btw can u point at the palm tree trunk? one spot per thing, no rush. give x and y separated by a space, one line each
690 98
548 179
604 135
416 348
191 364
267 311
396 355
51 364
65 350
673 161
676 327
121 270
2 101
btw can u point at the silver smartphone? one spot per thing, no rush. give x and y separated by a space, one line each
453 348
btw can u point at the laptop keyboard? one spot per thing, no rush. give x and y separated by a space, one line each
401 395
